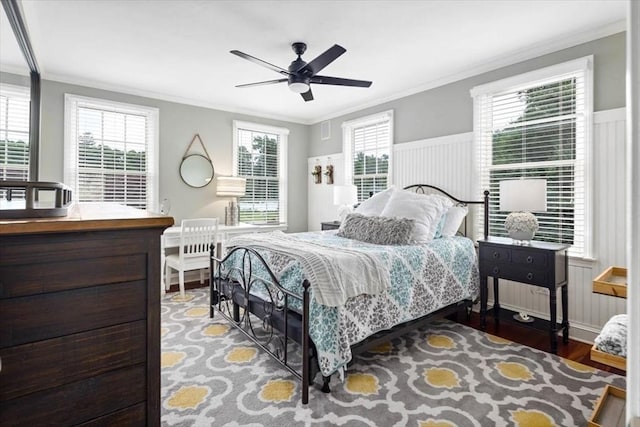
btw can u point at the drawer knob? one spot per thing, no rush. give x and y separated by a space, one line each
496 270
529 276
529 259
496 255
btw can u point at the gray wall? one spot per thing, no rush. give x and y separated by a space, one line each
178 124
448 109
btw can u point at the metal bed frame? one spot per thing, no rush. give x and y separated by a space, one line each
276 327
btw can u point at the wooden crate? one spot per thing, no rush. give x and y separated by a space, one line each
608 359
612 281
610 409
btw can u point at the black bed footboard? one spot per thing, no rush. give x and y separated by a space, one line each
277 320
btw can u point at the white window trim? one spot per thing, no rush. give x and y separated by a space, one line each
11 90
347 128
70 136
583 159
283 151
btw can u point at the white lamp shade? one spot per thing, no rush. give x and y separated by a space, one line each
523 195
345 195
231 186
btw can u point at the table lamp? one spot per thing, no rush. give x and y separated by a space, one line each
345 196
233 186
521 197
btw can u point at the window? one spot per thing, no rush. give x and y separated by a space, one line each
260 156
111 152
367 147
537 125
14 135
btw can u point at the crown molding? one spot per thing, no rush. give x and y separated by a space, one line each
522 54
169 98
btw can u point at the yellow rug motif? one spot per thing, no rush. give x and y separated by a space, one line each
163 332
241 355
384 348
514 371
523 418
178 298
579 367
441 341
277 391
215 330
497 340
364 384
169 359
441 378
189 397
197 312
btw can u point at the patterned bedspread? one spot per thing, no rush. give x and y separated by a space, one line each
424 278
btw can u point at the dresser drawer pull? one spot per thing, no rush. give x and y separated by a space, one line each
529 276
496 270
529 259
496 255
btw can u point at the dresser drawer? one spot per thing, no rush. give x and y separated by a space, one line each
40 317
78 402
29 368
495 253
532 259
514 272
39 277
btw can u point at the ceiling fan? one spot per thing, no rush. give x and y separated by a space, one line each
301 74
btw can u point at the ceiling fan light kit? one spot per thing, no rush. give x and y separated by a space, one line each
301 74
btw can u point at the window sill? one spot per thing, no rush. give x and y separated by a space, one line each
577 261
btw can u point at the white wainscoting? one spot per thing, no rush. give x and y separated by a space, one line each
447 162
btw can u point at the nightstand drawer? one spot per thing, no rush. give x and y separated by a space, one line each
515 273
495 253
533 259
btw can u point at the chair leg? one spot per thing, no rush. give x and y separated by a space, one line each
167 277
202 276
181 280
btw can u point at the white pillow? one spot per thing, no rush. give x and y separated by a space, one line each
425 210
375 204
453 220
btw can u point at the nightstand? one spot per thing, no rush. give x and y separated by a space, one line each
330 225
540 264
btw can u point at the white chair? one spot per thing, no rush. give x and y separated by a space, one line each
196 236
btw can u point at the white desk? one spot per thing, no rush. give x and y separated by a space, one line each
171 237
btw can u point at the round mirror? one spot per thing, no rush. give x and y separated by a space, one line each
196 170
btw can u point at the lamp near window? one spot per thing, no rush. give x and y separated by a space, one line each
521 197
345 196
235 187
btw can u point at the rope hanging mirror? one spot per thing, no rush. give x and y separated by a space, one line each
196 170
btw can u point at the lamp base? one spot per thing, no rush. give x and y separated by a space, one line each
521 227
232 214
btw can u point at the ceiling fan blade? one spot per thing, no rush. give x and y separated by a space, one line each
325 80
260 62
322 60
267 82
307 96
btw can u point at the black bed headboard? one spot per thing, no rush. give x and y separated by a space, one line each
432 189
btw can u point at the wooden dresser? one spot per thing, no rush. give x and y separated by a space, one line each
80 318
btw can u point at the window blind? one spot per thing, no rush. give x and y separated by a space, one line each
260 157
14 135
111 152
537 129
368 143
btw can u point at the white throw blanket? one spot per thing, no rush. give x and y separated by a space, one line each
335 273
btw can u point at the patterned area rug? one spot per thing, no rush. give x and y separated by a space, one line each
444 375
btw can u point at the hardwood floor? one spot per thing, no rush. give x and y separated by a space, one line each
574 350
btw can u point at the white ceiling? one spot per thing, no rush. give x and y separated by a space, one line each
179 49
